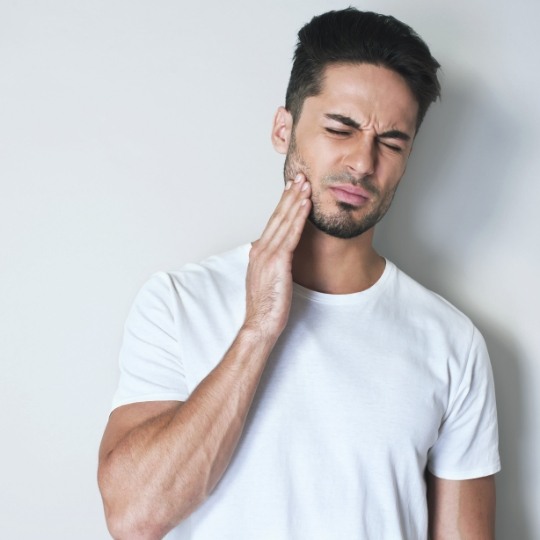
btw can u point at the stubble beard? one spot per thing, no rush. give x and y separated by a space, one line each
342 223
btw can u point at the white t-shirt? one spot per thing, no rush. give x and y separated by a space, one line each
361 393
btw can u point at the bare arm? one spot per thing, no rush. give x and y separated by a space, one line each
461 509
159 461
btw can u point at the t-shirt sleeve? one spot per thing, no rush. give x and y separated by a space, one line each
150 362
467 445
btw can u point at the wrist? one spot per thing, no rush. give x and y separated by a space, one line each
258 334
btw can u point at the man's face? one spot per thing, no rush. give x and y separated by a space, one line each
352 142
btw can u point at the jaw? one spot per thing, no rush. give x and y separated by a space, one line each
345 221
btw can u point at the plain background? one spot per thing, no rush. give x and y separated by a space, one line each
134 137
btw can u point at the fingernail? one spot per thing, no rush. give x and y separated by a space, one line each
288 185
298 177
304 187
303 202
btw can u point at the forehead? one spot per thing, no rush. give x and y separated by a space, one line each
372 95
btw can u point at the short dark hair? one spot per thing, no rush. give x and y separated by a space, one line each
361 37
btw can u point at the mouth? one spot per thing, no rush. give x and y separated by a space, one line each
347 193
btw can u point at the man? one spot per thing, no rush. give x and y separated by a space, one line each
303 387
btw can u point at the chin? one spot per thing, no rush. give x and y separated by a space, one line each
340 226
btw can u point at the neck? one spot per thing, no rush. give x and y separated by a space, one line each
332 265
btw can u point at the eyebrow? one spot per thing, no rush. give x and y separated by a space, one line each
348 121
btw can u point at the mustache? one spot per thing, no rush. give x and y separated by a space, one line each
347 178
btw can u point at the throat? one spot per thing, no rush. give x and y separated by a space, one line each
336 266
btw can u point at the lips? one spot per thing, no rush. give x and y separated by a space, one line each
353 195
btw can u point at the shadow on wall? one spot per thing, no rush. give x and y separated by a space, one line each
446 213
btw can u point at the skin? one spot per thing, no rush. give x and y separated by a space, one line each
160 460
358 148
461 510
328 151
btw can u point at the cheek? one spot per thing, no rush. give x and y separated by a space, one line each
387 195
319 158
295 163
391 172
308 163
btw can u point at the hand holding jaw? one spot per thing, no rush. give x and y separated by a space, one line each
269 275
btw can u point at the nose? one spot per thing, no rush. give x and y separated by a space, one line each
360 158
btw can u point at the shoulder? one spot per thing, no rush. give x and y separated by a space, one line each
217 280
426 308
210 286
225 270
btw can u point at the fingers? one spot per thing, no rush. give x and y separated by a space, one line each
287 222
269 276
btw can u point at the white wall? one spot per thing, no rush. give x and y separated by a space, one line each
134 136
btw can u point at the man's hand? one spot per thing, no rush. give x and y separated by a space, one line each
269 275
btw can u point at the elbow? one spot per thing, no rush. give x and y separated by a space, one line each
130 523
125 527
126 523
129 516
138 511
125 520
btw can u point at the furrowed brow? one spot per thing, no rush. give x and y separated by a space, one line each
349 122
345 120
395 134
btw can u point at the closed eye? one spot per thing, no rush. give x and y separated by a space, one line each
392 146
337 132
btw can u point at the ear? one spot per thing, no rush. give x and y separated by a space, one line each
281 130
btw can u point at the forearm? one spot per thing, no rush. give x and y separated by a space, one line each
163 469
